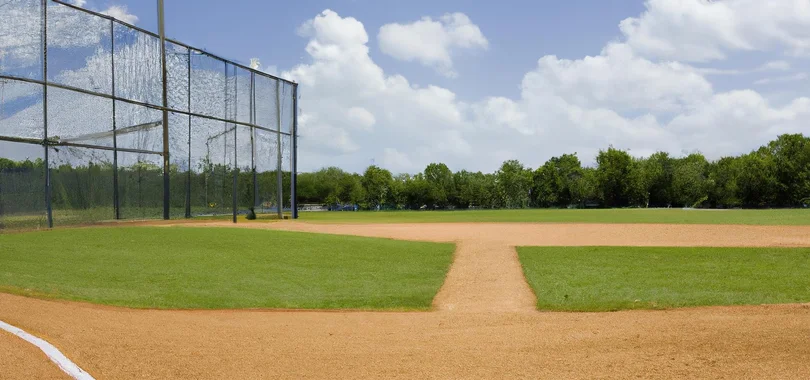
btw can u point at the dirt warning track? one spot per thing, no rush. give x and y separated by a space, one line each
485 325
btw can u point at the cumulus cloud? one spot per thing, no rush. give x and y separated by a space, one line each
350 103
120 12
619 97
783 79
706 30
432 42
768 66
79 3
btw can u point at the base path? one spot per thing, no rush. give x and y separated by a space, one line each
485 277
485 326
23 361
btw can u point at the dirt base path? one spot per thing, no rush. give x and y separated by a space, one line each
485 277
486 328
23 361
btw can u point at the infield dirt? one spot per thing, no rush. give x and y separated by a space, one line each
484 326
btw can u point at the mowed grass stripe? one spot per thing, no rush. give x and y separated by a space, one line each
621 278
222 268
644 216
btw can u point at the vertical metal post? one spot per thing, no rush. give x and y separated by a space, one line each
162 32
294 158
44 37
253 139
279 178
188 171
116 195
235 145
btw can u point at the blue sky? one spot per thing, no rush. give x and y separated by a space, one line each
472 84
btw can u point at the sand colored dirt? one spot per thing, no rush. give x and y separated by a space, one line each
23 361
484 325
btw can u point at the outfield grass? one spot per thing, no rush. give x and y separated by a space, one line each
222 268
619 278
667 216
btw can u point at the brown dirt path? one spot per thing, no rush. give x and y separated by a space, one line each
485 277
22 360
487 329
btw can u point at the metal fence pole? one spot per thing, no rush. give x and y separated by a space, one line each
253 139
44 37
235 176
279 178
188 171
162 32
116 195
235 133
294 158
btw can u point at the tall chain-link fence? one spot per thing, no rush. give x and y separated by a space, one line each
83 137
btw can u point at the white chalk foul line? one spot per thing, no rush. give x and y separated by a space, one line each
52 352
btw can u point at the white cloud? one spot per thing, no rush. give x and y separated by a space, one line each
783 79
355 106
768 66
79 3
396 161
619 80
704 30
618 97
776 66
432 42
361 118
120 12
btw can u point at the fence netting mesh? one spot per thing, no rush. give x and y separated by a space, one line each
82 127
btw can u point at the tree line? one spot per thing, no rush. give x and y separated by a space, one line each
775 175
140 188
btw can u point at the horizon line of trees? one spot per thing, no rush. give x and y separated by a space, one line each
775 175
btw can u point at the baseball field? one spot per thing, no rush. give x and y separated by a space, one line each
665 293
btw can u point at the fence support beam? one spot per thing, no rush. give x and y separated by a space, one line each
279 177
235 134
294 158
253 140
44 36
116 195
188 171
162 32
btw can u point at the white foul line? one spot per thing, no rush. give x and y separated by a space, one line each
52 352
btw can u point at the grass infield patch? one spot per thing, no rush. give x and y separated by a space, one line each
222 268
620 278
646 216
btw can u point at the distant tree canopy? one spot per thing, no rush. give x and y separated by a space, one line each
775 175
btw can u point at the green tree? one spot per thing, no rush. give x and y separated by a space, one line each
377 186
440 185
689 180
553 183
791 156
514 183
757 183
397 197
723 178
415 190
613 176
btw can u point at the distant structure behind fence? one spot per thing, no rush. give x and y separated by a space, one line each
82 133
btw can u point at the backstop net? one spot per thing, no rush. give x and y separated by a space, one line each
84 139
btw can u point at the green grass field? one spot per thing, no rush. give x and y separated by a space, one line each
223 268
619 278
667 216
